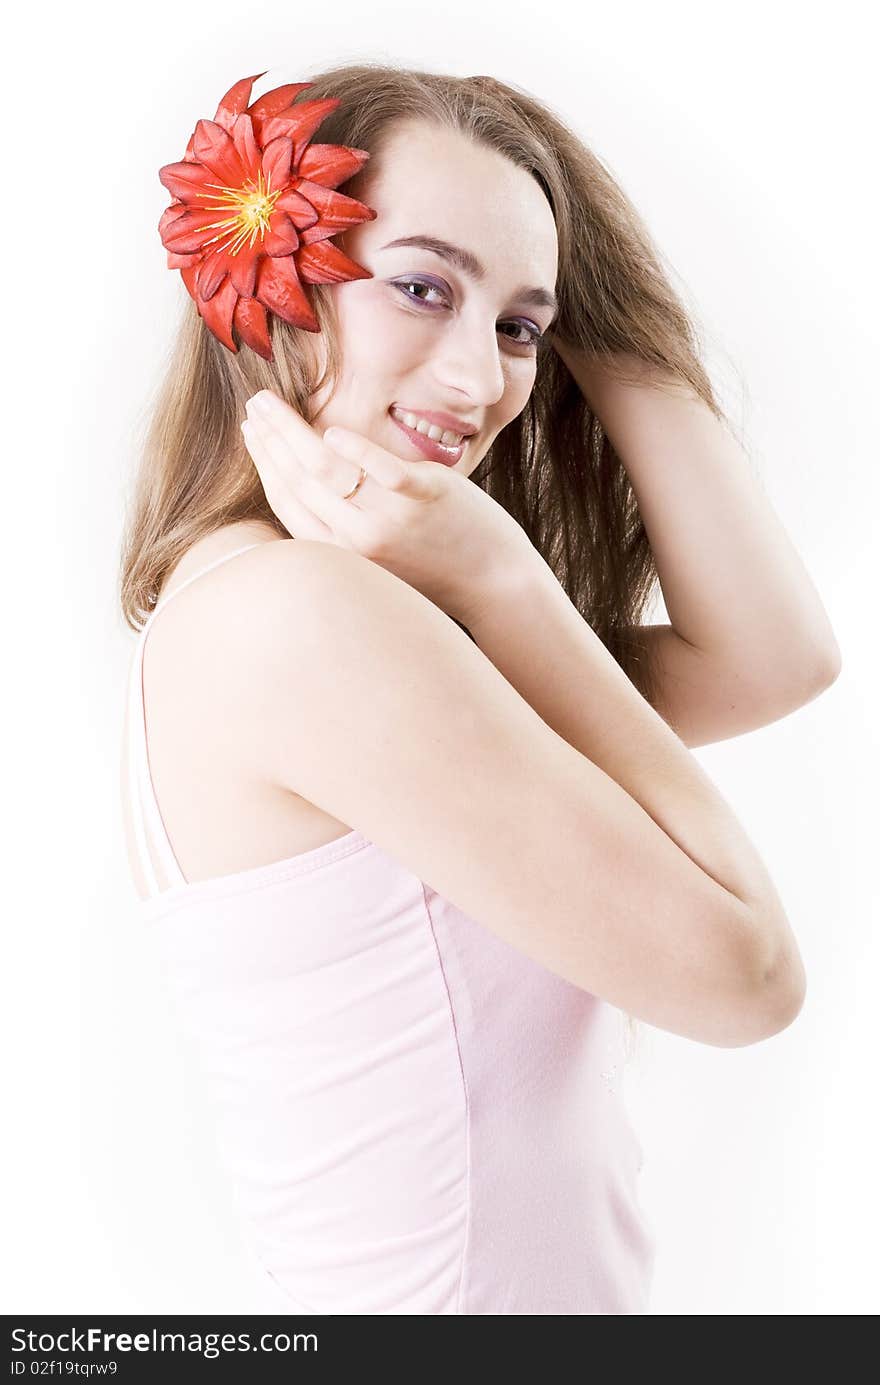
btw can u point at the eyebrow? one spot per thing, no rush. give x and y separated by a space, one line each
468 263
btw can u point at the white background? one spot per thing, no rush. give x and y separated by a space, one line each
746 137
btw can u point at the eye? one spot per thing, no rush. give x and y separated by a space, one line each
533 335
419 284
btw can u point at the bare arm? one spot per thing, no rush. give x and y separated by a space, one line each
350 688
536 638
736 590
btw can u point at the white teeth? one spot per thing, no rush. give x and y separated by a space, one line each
421 425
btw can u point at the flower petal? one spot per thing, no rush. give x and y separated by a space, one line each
299 124
281 237
213 146
246 144
170 214
338 212
211 272
243 269
189 278
250 321
217 313
182 261
323 263
187 180
235 101
300 211
240 265
279 288
271 102
277 155
331 164
192 231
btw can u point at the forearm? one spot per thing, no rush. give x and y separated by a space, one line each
733 584
540 643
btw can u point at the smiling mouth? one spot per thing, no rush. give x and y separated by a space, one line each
432 448
447 436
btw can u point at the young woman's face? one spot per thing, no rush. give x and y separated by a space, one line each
424 333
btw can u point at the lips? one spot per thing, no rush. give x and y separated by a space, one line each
433 451
451 422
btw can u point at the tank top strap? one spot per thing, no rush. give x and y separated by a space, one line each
146 818
163 601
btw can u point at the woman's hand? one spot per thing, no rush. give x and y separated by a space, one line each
422 521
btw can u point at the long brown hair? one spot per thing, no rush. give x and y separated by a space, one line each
552 468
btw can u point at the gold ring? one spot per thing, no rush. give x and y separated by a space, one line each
357 485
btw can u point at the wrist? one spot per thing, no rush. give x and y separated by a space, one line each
515 584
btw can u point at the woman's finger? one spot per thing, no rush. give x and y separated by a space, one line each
384 471
344 520
297 518
352 525
288 436
392 473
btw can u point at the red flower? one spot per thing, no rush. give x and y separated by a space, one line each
253 211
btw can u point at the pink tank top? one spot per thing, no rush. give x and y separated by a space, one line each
413 1116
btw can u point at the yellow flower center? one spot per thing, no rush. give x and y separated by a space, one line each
251 208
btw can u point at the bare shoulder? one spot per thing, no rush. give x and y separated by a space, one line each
208 688
257 595
230 576
257 555
306 598
210 551
230 632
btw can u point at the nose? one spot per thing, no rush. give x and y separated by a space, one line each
469 362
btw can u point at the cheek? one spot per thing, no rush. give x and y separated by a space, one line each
377 337
405 335
519 381
376 352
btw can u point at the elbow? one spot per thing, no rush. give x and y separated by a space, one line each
778 990
799 683
812 673
759 991
826 667
821 666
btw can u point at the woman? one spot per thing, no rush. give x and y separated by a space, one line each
417 822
